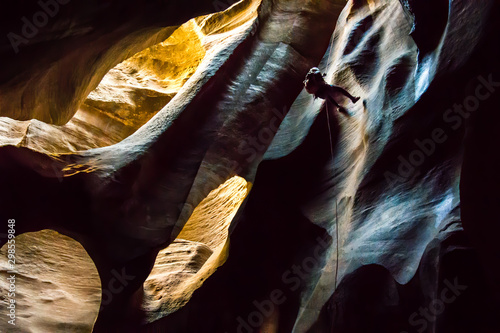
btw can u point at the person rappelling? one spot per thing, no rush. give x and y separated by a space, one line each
316 85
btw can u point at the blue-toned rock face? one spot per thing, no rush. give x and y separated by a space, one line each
213 193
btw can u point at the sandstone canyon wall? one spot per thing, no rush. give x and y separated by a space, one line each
167 171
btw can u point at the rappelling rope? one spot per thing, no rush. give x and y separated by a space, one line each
336 207
330 54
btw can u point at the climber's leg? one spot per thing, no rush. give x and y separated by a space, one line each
344 92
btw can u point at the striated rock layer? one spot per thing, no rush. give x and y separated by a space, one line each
231 198
68 53
57 286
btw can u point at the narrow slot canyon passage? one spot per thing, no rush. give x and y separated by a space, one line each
271 166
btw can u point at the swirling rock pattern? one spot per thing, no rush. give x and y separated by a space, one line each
352 222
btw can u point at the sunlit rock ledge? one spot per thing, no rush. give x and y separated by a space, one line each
182 152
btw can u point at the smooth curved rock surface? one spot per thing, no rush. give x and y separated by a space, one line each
53 274
110 33
371 201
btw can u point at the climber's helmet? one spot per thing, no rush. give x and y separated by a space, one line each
314 79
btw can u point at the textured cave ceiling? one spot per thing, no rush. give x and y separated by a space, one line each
168 172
